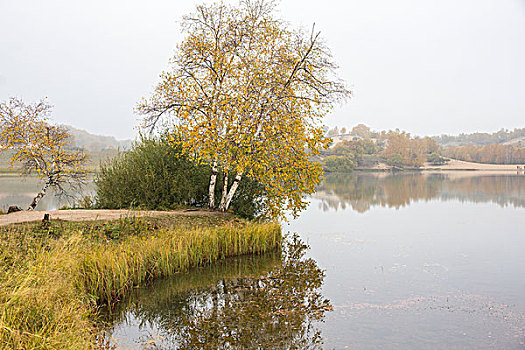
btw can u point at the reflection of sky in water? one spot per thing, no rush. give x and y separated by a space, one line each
422 270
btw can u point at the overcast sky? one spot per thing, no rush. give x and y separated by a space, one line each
425 66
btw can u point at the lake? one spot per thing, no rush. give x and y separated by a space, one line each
395 261
405 261
420 261
20 191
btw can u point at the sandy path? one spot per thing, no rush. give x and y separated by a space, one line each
87 215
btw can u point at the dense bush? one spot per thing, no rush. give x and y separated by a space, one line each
152 175
155 175
436 159
338 164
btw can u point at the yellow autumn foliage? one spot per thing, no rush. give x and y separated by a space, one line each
248 93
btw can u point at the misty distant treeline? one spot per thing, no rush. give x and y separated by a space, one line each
482 138
492 153
394 148
365 148
516 136
362 147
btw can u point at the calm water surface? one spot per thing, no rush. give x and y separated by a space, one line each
406 261
19 191
267 302
420 261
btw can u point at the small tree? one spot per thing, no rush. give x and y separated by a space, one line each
41 148
361 130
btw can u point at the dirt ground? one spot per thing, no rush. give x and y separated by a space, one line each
87 215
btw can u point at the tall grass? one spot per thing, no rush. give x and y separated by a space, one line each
107 272
53 278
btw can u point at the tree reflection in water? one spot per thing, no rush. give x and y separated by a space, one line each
364 191
269 302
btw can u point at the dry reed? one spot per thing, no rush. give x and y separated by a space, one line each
53 279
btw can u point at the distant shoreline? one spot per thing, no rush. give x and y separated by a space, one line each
452 165
455 164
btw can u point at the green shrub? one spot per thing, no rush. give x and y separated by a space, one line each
156 175
152 175
338 164
436 159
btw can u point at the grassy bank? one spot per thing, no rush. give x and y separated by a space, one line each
54 277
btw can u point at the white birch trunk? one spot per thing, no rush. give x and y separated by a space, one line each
224 191
38 197
211 190
231 192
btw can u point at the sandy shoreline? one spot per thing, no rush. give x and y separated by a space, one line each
455 165
98 214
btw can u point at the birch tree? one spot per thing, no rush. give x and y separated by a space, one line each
248 95
41 148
